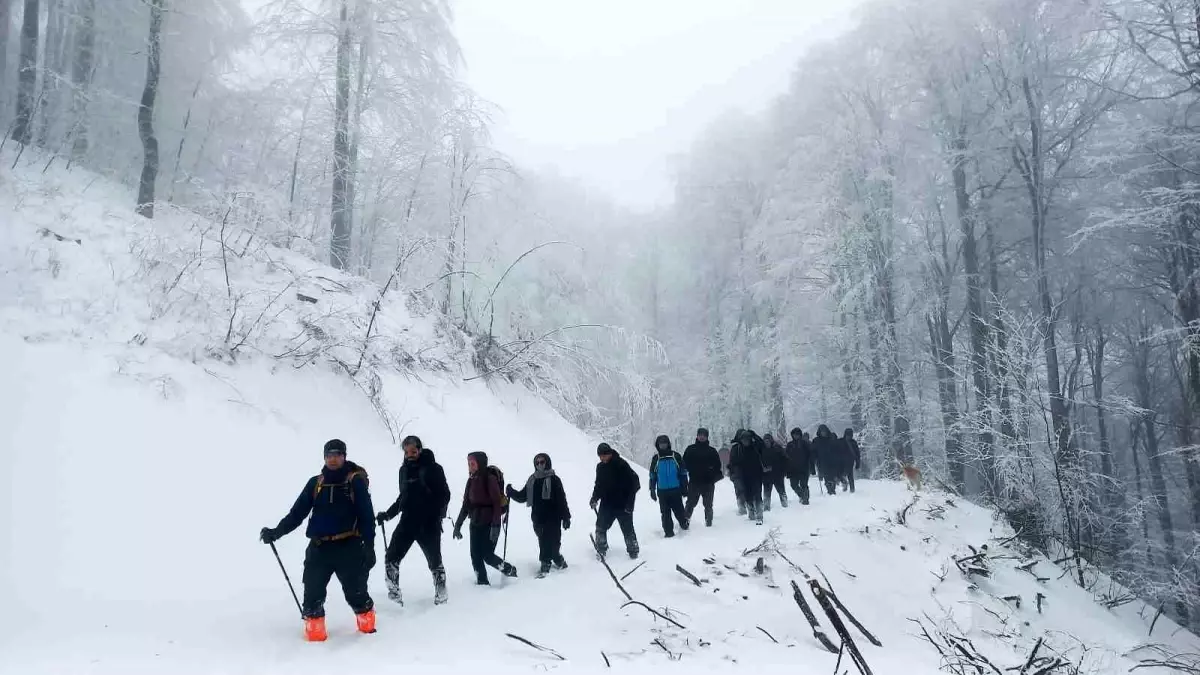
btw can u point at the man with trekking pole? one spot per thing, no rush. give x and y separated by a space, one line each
341 536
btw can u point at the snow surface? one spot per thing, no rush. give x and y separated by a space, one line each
141 461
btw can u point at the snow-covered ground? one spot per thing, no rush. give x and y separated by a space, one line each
141 459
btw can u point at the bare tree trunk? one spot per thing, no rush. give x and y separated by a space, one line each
941 346
360 96
27 74
81 75
5 32
53 66
145 200
1109 495
339 249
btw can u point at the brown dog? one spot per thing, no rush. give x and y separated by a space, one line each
912 474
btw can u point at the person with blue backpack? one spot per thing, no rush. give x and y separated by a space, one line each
668 485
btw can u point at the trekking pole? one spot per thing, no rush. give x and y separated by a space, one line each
287 578
385 539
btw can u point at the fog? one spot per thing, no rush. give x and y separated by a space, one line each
969 230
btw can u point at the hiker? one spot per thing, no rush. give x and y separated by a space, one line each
421 504
746 460
775 462
828 451
703 465
613 499
801 464
852 458
483 502
668 485
739 492
547 501
337 502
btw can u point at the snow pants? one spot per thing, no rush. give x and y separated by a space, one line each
348 560
774 481
800 486
605 517
483 549
671 502
401 543
739 493
549 538
848 478
752 493
696 492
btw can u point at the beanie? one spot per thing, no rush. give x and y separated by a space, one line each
335 445
702 432
604 449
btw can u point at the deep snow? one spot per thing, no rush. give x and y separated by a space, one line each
140 471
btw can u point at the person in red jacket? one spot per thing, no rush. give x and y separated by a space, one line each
483 502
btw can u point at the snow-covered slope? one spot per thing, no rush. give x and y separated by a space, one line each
141 459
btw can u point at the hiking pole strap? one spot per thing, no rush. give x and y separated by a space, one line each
287 579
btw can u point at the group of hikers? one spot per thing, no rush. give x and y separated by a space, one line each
341 518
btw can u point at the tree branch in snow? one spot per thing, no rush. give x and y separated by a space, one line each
655 612
536 646
630 572
691 577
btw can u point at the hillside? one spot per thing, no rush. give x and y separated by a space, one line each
147 437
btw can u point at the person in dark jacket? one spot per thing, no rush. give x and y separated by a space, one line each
551 515
483 503
341 538
775 466
801 464
746 459
613 499
668 485
421 504
828 451
852 456
704 470
739 491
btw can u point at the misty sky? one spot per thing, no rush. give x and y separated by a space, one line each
608 90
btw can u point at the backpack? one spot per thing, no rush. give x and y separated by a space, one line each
495 471
345 485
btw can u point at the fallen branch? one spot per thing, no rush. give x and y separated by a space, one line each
812 618
1032 656
764 630
606 661
824 600
670 654
538 647
609 569
630 572
691 577
47 232
1155 620
655 612
857 624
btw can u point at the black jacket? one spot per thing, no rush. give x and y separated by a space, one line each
774 459
617 484
853 455
801 459
340 505
703 463
550 511
745 458
828 451
424 495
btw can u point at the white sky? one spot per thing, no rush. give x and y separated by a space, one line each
606 91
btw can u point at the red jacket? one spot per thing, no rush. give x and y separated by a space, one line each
483 500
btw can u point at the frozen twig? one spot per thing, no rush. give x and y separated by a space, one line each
536 646
630 572
655 612
691 577
764 632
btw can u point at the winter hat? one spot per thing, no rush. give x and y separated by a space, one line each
797 432
658 443
481 458
335 446
412 440
605 449
768 437
702 432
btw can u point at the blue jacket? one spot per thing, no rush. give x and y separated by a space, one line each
340 505
667 471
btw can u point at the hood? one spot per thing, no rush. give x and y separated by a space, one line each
604 448
481 458
659 441
824 432
796 433
737 436
549 464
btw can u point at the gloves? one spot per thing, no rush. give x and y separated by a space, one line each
593 504
381 518
494 534
566 523
509 491
458 531
653 496
369 554
268 536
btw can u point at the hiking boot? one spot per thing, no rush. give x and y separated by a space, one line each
366 621
633 553
668 535
508 570
439 588
708 522
560 562
314 629
395 596
687 522
481 579
543 570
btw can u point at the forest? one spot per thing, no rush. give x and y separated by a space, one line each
969 230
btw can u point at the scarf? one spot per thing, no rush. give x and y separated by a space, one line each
547 484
